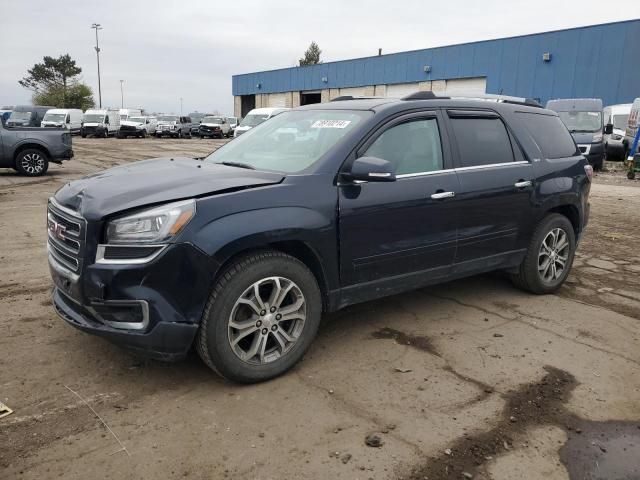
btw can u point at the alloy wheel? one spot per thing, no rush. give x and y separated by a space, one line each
267 320
32 163
553 255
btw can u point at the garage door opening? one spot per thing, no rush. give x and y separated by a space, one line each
247 103
307 98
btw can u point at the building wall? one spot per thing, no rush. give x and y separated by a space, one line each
597 61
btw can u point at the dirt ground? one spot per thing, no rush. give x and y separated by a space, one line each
472 379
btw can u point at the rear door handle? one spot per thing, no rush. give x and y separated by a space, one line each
441 195
523 183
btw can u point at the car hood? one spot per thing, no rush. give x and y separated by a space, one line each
155 181
211 124
243 127
131 124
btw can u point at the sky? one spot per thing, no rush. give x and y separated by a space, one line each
166 50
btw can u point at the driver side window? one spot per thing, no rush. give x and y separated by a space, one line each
411 147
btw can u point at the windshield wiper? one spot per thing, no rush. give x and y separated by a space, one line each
238 164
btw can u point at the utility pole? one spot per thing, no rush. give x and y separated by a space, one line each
180 105
121 94
96 27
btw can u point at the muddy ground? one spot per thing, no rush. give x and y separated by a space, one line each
472 379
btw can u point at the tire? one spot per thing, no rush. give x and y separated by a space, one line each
214 338
144 134
32 162
180 133
529 276
119 135
83 135
631 175
106 133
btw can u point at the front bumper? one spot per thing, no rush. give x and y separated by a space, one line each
169 293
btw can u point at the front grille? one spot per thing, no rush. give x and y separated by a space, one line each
128 128
89 129
66 236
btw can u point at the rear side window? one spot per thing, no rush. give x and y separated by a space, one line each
550 134
482 141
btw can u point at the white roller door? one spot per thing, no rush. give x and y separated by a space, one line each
277 100
353 91
400 90
466 85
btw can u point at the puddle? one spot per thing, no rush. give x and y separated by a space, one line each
401 338
603 450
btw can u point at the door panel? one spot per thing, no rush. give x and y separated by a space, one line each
396 228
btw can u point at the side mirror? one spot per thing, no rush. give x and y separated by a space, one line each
68 120
371 169
608 129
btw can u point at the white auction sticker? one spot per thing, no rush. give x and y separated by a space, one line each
330 123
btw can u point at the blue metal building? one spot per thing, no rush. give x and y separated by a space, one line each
599 61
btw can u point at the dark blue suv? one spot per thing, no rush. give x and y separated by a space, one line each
318 208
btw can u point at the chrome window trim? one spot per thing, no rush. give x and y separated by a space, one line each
420 174
491 165
128 261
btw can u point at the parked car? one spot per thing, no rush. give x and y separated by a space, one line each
69 118
126 113
616 118
100 123
632 126
241 253
29 150
27 115
138 127
196 117
583 118
173 126
233 124
214 126
255 117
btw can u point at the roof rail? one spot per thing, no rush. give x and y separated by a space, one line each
351 97
429 95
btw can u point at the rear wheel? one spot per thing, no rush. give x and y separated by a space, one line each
32 162
262 315
549 256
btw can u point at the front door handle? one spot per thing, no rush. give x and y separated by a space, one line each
441 195
523 184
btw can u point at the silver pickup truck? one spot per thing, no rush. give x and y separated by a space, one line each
29 150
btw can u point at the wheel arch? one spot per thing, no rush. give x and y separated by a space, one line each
571 212
30 145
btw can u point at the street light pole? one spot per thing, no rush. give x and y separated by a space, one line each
180 105
96 27
121 94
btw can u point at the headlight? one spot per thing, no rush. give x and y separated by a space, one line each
597 137
153 225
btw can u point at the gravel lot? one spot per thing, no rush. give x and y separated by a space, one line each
472 378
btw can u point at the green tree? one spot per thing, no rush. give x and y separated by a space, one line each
76 96
312 55
56 81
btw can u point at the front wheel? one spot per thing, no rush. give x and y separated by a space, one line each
549 256
32 163
262 315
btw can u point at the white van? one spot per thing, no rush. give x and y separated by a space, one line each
616 118
125 113
100 123
69 118
632 126
255 117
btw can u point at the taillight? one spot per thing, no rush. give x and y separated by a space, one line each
588 169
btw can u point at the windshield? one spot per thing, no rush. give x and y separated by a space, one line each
620 121
217 120
20 116
54 117
232 120
93 118
137 119
254 120
168 118
582 121
289 142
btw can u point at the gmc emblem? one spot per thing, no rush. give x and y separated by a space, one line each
57 230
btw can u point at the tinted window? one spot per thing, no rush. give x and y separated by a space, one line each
550 134
482 141
411 147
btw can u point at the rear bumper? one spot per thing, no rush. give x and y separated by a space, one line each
165 341
67 154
